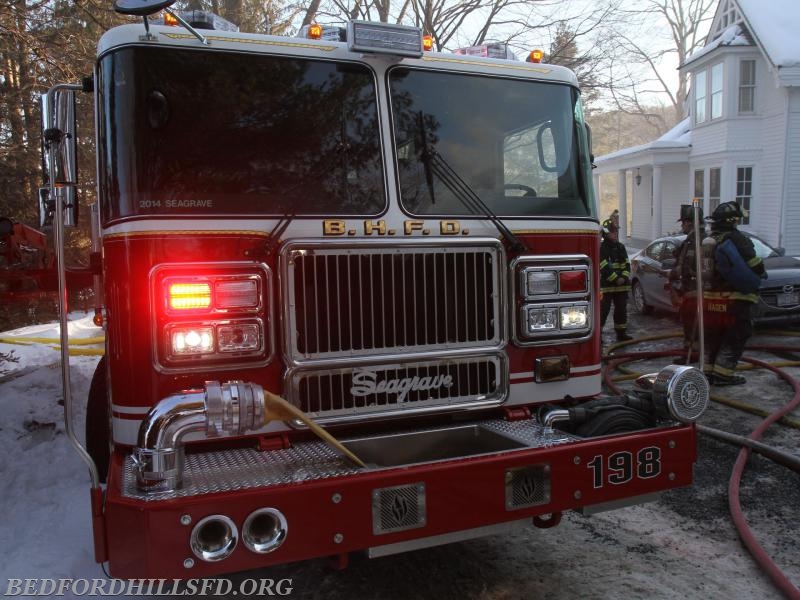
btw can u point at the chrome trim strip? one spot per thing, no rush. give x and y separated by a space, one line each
129 410
446 538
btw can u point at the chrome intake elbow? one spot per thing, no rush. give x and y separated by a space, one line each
219 410
553 416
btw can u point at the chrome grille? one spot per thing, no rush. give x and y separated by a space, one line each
372 298
527 486
406 386
398 508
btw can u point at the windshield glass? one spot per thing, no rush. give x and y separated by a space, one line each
225 133
514 142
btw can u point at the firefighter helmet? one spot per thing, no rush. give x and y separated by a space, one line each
609 226
727 213
687 213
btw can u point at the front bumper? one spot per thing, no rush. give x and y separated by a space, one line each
333 508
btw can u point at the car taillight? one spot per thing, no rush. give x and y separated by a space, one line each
212 315
552 298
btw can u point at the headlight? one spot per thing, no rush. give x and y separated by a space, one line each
539 319
542 318
574 317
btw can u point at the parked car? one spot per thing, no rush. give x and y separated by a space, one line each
779 293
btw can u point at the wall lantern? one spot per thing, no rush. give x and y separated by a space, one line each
638 177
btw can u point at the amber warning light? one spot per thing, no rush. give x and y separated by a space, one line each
427 43
189 296
315 31
536 56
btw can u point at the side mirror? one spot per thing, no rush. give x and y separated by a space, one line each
60 157
546 144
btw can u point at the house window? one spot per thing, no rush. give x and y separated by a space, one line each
700 97
699 183
714 185
744 191
716 91
747 86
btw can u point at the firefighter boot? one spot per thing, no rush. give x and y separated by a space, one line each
622 336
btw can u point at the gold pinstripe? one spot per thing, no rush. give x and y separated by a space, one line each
522 67
216 38
185 232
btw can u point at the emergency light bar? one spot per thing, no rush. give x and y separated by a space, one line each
384 38
489 50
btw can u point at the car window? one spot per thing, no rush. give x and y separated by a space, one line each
669 251
763 250
654 250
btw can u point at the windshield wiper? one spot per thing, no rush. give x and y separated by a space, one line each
435 164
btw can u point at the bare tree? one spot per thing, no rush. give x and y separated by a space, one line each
636 75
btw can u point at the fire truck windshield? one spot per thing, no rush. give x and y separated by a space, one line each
199 133
518 144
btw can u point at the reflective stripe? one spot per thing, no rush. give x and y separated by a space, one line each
730 296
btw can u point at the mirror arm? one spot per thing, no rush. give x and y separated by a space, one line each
191 29
56 134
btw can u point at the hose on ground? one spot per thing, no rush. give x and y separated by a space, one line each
751 443
75 344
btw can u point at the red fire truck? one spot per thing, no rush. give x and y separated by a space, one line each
360 240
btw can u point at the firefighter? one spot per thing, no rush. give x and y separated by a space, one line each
728 312
615 279
683 279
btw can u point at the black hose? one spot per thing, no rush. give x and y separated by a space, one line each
782 458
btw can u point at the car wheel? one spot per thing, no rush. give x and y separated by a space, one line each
639 302
98 422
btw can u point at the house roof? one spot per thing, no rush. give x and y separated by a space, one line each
774 24
677 138
735 35
770 25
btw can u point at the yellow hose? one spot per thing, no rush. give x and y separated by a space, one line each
24 341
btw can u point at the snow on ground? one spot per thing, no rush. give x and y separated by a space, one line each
45 527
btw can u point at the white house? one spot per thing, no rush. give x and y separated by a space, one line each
741 138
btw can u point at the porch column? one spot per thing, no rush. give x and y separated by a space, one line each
598 188
622 194
657 202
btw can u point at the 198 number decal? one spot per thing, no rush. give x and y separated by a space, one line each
621 467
